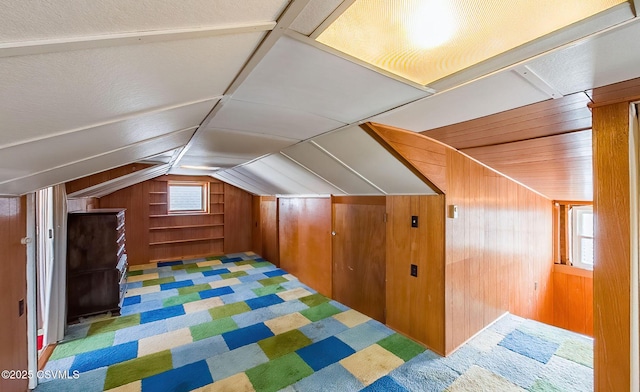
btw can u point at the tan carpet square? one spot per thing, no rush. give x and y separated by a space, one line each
293 294
140 278
236 383
480 379
351 318
240 268
205 304
286 323
142 290
135 386
142 267
165 341
224 282
370 364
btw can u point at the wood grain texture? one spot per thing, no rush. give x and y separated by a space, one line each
415 305
237 224
104 176
82 204
499 251
546 118
13 328
611 275
359 255
573 299
304 231
558 166
256 225
623 92
269 223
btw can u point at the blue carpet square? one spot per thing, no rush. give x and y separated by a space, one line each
253 317
215 272
198 351
138 332
231 259
91 381
144 306
238 360
131 300
323 329
169 263
243 336
530 346
325 352
332 378
364 335
159 314
277 272
216 292
175 285
385 384
134 285
252 277
264 301
182 379
105 357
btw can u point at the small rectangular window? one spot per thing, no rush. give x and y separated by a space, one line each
188 197
582 236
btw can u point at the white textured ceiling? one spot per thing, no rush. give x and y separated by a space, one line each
83 89
27 20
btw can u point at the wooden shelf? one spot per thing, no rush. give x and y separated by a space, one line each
186 226
166 215
158 193
187 240
157 204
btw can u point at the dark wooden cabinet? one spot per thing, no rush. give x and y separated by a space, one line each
96 262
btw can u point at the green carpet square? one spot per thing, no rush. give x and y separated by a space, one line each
244 262
544 386
114 324
279 373
272 281
193 289
136 369
236 274
213 258
229 310
402 347
279 345
134 273
262 264
181 299
181 266
154 282
73 347
314 300
576 351
272 289
195 269
320 312
213 328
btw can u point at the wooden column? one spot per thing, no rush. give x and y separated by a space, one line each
611 273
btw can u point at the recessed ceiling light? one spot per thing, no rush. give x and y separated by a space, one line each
427 40
211 168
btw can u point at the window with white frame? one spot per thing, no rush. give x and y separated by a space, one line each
188 197
582 236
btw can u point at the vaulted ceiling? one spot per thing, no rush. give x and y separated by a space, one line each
242 85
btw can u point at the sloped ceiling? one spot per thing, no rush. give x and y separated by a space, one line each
227 83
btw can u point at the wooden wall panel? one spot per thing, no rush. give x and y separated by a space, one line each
269 223
13 281
611 274
82 204
499 251
573 299
359 254
304 231
625 92
237 223
104 176
256 225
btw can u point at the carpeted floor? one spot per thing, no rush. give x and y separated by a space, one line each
238 323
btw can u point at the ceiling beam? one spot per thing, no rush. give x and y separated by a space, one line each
288 16
24 48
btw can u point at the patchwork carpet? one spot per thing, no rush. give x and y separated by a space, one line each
238 323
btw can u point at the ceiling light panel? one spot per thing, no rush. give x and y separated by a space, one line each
425 41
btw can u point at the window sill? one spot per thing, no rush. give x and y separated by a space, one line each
571 270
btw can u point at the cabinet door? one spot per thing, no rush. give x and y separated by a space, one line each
93 292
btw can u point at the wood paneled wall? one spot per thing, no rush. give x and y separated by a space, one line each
499 251
611 274
573 299
416 305
13 284
265 228
237 229
154 235
104 176
82 204
304 232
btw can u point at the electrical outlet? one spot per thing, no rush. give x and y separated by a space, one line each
414 270
20 307
414 221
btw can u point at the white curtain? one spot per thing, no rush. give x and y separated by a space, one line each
55 303
634 169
